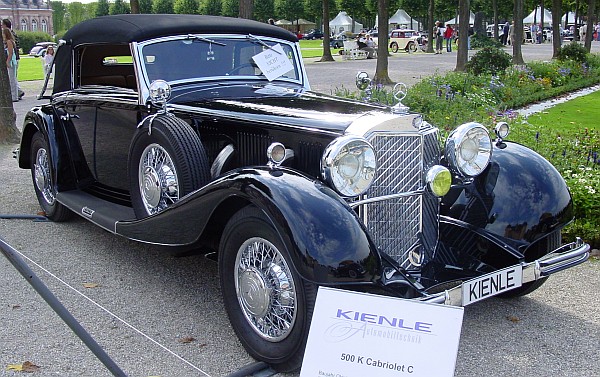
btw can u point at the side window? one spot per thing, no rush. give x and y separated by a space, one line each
106 65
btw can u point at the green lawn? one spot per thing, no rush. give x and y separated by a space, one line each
576 114
30 68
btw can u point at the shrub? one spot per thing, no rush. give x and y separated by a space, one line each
573 51
489 60
28 39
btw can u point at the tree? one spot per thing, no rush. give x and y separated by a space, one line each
119 7
518 30
185 6
145 6
103 8
135 6
327 57
382 75
246 9
58 15
590 24
210 7
231 8
163 7
289 9
8 130
464 16
430 22
556 37
263 10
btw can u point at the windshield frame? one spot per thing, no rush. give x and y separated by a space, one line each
294 48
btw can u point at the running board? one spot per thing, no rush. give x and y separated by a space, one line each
100 212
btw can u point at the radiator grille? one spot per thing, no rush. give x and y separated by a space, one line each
398 225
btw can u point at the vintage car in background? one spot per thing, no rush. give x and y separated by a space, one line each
40 48
404 39
202 132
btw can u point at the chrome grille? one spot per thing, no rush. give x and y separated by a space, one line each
398 225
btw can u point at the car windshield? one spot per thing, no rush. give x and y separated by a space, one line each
193 57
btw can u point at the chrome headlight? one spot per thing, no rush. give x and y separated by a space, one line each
348 165
469 149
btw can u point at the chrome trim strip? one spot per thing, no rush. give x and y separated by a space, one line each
420 191
564 257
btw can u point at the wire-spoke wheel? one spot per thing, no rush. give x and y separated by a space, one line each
268 304
42 174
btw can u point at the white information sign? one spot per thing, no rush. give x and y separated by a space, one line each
273 62
359 334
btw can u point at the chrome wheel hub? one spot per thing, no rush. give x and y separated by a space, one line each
265 289
42 177
159 186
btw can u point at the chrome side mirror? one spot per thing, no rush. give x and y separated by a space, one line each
362 80
160 92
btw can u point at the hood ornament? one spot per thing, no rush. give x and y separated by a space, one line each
400 90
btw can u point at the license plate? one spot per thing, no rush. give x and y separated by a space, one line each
492 284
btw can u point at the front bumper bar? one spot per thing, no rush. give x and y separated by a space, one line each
564 257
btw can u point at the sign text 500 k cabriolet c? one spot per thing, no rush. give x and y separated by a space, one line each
202 132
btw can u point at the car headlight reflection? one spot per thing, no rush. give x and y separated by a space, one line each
348 165
469 149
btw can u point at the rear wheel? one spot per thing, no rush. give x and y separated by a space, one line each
269 305
42 173
165 164
394 47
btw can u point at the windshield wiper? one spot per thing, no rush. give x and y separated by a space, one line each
206 40
255 39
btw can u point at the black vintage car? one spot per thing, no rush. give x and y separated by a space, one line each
202 132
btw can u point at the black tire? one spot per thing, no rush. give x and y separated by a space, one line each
412 47
43 176
165 165
394 47
253 259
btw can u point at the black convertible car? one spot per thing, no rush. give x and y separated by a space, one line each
202 132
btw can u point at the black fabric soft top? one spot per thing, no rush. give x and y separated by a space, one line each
127 28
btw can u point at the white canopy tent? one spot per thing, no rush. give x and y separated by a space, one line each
343 22
456 19
571 18
401 20
536 17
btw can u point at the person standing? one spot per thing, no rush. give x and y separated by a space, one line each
6 24
48 59
439 36
505 29
11 62
448 36
511 33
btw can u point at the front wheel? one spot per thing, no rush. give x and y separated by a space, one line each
269 305
42 173
394 47
412 47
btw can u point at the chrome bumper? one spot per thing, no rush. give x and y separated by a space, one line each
564 257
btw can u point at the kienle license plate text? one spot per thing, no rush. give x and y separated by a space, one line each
492 284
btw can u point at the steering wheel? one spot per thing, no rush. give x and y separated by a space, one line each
239 67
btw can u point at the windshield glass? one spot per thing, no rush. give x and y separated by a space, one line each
205 57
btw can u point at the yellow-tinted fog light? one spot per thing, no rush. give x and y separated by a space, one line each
439 180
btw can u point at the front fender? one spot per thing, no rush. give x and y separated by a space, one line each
520 197
326 240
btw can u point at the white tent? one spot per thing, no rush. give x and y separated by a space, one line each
401 20
456 19
571 16
343 22
537 14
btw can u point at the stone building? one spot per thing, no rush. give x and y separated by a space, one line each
28 15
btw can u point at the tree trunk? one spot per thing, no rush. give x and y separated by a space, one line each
556 37
327 57
495 11
589 32
430 21
382 75
135 6
462 56
518 30
9 134
246 9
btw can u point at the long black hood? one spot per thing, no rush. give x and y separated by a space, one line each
275 104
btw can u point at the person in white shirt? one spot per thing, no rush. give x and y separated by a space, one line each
48 59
